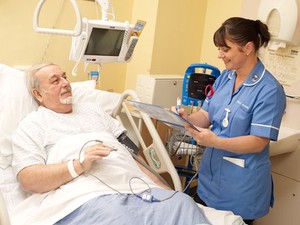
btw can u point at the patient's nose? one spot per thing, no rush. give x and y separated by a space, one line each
65 82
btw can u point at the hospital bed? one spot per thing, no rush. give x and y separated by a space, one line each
15 103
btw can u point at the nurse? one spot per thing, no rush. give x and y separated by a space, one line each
237 123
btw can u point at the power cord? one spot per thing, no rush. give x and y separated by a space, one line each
179 144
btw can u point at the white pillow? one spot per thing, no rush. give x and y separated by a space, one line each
15 103
83 85
106 100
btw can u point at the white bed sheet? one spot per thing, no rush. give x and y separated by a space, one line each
221 217
10 189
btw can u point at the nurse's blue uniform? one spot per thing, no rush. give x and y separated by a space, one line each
255 108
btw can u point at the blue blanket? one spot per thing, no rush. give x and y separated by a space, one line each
118 209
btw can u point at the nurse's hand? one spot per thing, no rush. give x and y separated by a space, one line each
180 111
204 136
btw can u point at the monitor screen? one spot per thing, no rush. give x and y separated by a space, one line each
105 42
198 83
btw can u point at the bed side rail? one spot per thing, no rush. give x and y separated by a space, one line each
156 154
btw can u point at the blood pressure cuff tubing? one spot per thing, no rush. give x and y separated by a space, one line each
128 143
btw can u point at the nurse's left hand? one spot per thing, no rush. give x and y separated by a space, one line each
204 136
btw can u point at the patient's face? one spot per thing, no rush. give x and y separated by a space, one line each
55 91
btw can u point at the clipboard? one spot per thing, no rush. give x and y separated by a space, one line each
164 115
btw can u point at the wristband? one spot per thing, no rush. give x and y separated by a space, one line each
72 169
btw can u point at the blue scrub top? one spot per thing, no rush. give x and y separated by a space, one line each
256 108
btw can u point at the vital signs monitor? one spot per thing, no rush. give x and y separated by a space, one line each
197 85
104 42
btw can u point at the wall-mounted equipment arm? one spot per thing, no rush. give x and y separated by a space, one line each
75 32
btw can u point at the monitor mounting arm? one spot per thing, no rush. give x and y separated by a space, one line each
105 6
75 32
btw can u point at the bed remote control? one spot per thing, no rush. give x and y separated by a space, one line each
132 45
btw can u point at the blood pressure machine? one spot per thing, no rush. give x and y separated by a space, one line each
197 83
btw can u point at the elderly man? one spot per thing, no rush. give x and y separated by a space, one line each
68 157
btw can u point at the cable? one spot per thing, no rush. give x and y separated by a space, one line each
194 176
147 190
50 36
80 160
74 70
191 159
108 185
180 142
149 168
80 156
146 197
156 174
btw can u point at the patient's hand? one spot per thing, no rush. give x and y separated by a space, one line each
93 153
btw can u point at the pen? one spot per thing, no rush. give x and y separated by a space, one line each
199 105
178 104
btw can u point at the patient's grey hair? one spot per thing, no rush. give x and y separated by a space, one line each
32 80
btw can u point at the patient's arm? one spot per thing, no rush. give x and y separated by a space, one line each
43 178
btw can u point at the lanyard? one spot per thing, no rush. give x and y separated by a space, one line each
209 91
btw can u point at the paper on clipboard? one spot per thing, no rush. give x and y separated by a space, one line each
162 114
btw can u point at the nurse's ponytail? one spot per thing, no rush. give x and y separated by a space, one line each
241 31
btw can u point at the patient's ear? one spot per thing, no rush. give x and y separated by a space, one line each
37 95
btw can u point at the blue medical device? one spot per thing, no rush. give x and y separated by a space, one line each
195 83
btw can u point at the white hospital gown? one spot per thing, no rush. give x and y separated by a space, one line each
43 128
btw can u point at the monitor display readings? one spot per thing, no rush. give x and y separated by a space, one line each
198 83
105 42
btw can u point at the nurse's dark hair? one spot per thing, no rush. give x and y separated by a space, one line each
241 31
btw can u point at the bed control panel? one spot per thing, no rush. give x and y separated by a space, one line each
154 158
132 44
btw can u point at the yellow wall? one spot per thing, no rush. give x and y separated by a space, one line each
141 61
171 40
177 34
217 12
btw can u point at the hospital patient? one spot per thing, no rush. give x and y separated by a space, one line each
70 161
